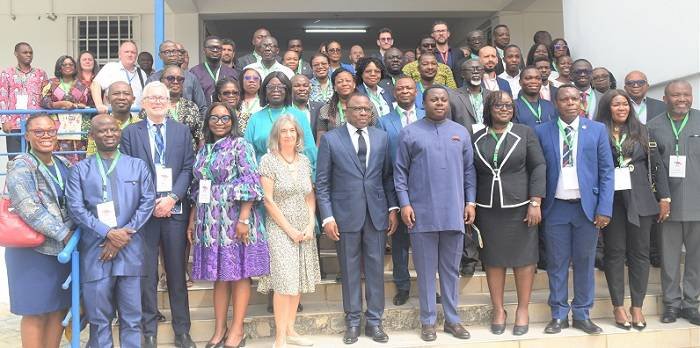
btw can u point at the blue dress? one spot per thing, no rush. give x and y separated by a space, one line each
35 279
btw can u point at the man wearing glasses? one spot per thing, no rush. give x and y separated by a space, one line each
170 54
211 70
445 54
581 76
646 108
123 70
385 41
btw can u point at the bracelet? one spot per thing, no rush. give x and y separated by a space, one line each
245 222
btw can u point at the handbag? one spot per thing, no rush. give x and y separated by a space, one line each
14 232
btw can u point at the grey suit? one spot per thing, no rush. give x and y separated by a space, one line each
461 109
683 226
358 198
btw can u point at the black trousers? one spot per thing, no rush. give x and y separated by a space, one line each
625 241
470 249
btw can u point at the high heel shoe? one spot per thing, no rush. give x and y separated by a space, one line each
639 326
498 329
219 344
625 325
240 344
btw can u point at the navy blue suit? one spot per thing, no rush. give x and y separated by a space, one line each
526 117
170 231
359 199
502 86
400 241
570 233
387 95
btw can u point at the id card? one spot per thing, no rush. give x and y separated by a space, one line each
570 178
676 167
477 127
21 101
623 180
106 214
164 179
204 195
69 123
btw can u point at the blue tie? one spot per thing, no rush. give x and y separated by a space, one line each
160 144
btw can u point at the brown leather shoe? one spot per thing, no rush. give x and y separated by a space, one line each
427 333
457 330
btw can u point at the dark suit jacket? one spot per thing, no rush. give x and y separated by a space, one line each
503 85
314 110
179 152
526 117
454 59
655 108
387 94
391 124
345 190
461 108
521 171
594 166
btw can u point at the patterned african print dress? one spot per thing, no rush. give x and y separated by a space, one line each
217 254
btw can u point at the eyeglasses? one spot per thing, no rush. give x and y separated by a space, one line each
503 106
439 31
560 46
169 53
214 48
360 109
66 65
229 93
39 133
636 83
582 71
219 119
172 79
276 88
251 78
333 50
157 99
386 39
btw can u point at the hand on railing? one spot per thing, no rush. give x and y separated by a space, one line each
65 255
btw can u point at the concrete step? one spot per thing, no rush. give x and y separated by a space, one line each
201 293
327 317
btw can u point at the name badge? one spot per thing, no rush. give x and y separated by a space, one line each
676 167
477 127
69 123
623 179
164 179
204 195
570 178
106 214
22 101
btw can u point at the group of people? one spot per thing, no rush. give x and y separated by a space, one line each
464 155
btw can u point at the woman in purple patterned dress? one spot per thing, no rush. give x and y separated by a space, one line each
226 227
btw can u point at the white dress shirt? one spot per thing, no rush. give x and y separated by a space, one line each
152 139
407 116
490 83
263 71
115 71
641 110
562 193
356 138
513 82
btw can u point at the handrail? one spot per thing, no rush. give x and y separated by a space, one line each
58 111
70 253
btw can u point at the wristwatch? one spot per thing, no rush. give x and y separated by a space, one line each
173 196
667 200
535 204
245 222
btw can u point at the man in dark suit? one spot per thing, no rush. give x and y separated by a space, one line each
578 202
404 114
112 243
446 54
467 102
254 56
581 75
489 60
646 108
301 90
393 62
357 201
166 146
532 110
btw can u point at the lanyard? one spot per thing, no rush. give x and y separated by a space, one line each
269 112
58 179
375 99
420 87
677 131
129 77
445 56
341 113
590 100
567 140
325 92
477 101
299 66
538 113
213 77
175 112
126 123
104 174
618 144
499 142
65 86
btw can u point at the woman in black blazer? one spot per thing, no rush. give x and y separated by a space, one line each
641 195
510 170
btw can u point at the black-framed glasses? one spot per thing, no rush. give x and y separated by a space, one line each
219 119
360 108
503 106
229 93
39 133
582 72
276 88
173 78
636 83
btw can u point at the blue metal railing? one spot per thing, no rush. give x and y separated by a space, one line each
70 253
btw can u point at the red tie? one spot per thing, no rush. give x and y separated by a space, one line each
584 104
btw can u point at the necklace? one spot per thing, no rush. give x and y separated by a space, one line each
294 157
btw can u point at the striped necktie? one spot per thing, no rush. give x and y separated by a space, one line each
568 151
160 144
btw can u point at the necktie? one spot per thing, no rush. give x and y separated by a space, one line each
567 158
362 149
409 116
160 144
584 104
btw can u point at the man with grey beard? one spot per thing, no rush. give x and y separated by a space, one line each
467 102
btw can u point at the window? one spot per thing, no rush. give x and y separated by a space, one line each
101 35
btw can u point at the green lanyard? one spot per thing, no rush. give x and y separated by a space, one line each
420 87
300 66
393 81
618 144
269 112
567 140
325 92
213 77
126 123
375 99
341 113
499 142
104 175
58 179
538 113
477 101
677 131
175 113
250 106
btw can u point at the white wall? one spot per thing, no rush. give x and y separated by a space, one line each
524 22
659 38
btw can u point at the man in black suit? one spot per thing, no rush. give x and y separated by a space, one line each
393 62
301 90
254 56
166 146
467 102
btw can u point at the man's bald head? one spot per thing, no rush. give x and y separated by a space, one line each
99 120
106 133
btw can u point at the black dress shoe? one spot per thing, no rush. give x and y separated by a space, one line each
468 270
555 325
377 333
457 330
184 341
587 326
670 314
400 298
150 342
300 308
351 334
691 314
519 330
499 329
427 333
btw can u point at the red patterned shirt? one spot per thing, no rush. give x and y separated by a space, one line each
14 85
